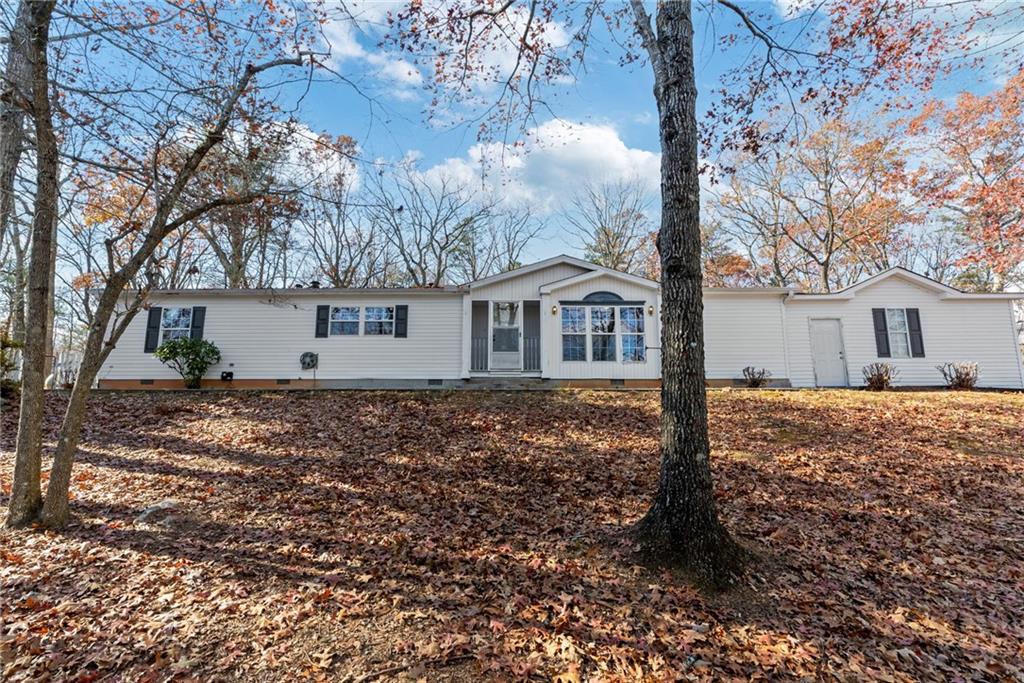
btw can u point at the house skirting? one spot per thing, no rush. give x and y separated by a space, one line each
485 384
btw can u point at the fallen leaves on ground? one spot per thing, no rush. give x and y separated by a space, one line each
469 536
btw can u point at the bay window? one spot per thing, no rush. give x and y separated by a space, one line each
603 333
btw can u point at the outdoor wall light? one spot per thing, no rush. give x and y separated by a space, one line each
650 310
554 310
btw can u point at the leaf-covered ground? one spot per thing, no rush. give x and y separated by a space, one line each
469 536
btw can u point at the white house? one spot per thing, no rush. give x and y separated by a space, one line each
567 322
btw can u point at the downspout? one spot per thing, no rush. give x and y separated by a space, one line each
785 334
1015 337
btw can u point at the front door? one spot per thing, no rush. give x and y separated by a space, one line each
505 335
828 353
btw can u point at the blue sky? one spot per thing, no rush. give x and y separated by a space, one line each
606 126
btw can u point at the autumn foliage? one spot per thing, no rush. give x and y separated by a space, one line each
478 536
977 177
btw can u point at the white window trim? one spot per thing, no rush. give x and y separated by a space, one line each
585 334
358 321
614 334
187 329
589 333
365 313
905 332
622 333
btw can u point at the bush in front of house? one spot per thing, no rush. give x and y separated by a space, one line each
756 377
879 376
959 375
190 358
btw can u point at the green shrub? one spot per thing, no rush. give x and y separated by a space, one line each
191 358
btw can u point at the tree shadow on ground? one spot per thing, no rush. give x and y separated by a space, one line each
501 517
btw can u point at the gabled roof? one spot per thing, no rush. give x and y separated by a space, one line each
600 271
539 265
944 291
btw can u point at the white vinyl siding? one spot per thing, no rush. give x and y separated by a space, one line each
742 329
969 330
526 287
262 338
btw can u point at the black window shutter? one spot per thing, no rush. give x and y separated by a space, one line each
323 314
881 333
198 321
401 321
916 339
153 329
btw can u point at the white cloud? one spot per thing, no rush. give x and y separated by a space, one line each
555 159
344 35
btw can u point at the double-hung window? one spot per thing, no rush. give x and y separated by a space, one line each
899 332
380 321
602 333
175 323
344 320
574 333
634 344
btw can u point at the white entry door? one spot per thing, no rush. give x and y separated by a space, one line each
828 353
506 335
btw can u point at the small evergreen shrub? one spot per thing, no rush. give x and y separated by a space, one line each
190 358
756 377
959 375
879 376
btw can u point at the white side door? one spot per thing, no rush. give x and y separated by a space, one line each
828 353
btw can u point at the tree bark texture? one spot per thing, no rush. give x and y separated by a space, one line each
55 510
682 525
25 490
16 92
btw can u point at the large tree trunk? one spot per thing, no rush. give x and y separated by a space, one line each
16 92
97 348
25 492
682 525
51 305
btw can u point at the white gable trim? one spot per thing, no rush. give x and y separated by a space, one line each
944 291
539 265
600 272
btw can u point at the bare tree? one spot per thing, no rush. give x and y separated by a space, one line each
26 495
426 221
611 223
344 241
250 241
150 135
16 92
497 244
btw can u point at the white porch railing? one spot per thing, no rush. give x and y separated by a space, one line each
65 369
63 373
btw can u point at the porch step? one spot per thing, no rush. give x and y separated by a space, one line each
500 382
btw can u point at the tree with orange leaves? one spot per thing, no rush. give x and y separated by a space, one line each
974 173
824 213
